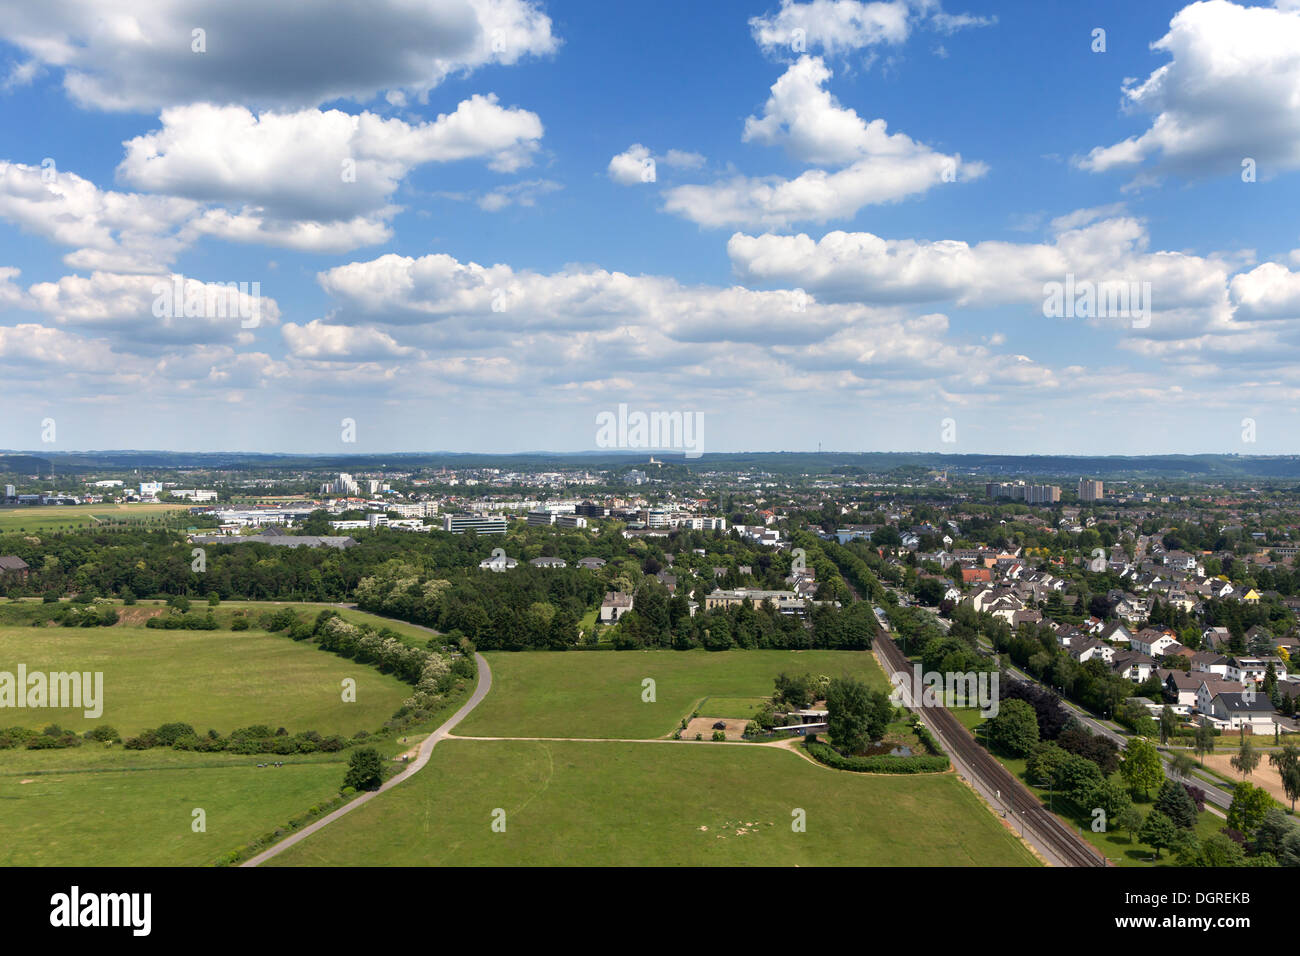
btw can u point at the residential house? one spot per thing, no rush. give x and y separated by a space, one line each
615 605
1133 665
13 568
1254 712
1181 688
499 562
1153 642
1211 687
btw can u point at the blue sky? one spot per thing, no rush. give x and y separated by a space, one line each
476 224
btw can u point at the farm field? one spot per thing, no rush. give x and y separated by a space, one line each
658 804
52 517
92 806
209 679
599 693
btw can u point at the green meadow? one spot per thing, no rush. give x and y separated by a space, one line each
93 806
600 693
55 517
209 679
624 803
99 805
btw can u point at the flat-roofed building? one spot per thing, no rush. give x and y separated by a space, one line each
480 524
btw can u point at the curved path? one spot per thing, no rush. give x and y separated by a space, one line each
426 750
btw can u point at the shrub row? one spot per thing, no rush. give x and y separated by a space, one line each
825 753
257 739
52 737
184 622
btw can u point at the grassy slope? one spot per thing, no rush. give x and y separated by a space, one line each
623 803
210 679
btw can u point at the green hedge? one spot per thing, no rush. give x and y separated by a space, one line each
824 753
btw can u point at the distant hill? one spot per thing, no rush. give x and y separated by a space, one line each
24 465
896 464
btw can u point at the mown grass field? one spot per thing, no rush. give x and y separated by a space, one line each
91 806
622 803
599 693
209 679
54 517
96 806
731 707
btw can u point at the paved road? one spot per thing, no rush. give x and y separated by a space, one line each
426 750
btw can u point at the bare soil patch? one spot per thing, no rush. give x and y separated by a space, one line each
136 616
704 727
1264 776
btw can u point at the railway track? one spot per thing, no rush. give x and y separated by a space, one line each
1049 830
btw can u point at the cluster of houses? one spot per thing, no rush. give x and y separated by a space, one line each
500 561
1211 685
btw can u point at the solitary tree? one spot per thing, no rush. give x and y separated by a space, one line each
851 718
1182 765
1158 831
1168 723
1249 805
1176 803
365 770
1142 768
1287 763
1015 729
1130 820
1203 742
1246 759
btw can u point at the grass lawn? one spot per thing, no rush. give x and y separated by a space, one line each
95 807
210 679
732 707
599 693
658 804
51 517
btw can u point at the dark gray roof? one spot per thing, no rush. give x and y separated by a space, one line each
1259 704
11 562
